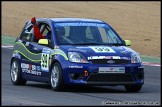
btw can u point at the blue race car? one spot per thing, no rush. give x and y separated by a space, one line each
77 51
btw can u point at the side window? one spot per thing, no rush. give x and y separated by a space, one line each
113 37
27 33
108 36
46 31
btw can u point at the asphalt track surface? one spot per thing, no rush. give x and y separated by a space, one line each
35 93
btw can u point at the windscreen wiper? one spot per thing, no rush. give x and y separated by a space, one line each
88 44
116 44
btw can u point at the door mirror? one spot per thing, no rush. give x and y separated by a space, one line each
127 42
27 32
26 35
43 42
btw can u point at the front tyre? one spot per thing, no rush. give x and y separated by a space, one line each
56 80
133 88
15 73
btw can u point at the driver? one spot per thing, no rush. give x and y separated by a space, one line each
37 32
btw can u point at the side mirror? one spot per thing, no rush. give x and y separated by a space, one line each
43 41
27 32
27 35
127 42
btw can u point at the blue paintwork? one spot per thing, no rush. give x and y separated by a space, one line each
84 50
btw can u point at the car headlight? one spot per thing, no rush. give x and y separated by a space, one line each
77 57
135 58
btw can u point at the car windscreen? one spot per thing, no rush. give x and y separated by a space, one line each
86 33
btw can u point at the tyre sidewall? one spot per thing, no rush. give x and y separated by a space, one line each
133 88
60 80
19 80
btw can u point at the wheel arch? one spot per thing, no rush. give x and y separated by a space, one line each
15 59
53 62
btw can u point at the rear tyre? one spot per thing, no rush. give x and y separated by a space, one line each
56 80
15 73
133 88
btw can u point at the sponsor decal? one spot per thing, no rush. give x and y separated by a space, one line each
23 65
56 47
26 71
108 57
124 52
103 57
35 48
33 67
38 68
27 44
75 49
121 69
19 40
46 50
59 52
116 57
75 66
126 58
79 24
35 72
96 57
111 70
30 69
128 49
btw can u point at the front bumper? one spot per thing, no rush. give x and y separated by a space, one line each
73 73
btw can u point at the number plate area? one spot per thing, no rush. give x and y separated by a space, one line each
111 69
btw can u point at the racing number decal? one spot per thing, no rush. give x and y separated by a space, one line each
44 61
102 49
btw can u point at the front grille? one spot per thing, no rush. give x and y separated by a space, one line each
97 77
106 61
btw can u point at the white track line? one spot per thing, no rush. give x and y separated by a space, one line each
150 64
7 46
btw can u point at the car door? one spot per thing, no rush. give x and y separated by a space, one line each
21 46
39 55
24 47
21 42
